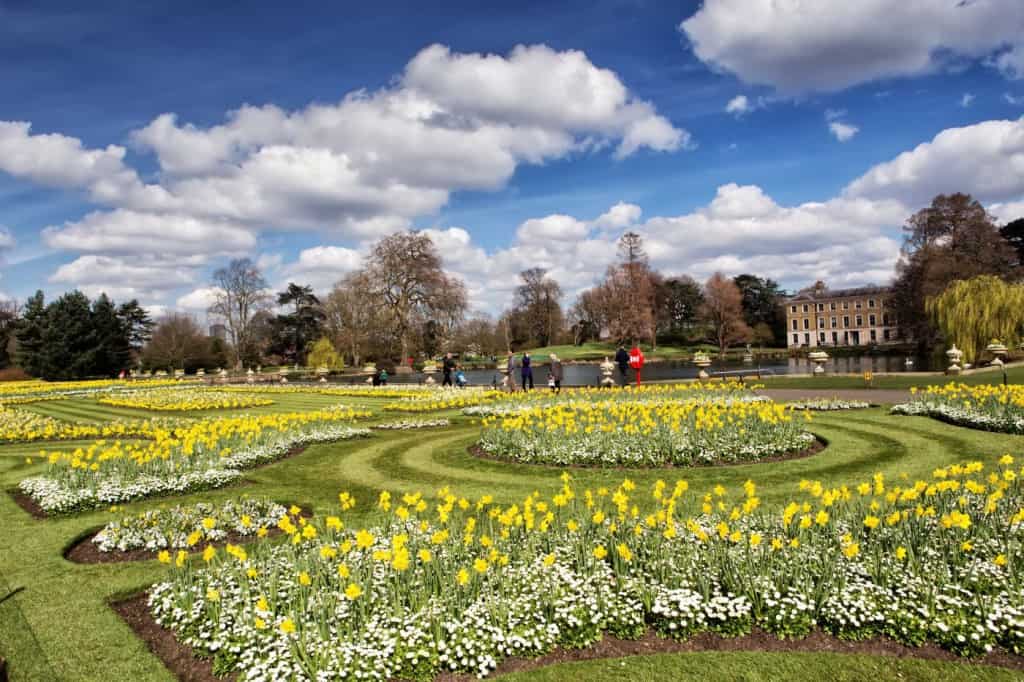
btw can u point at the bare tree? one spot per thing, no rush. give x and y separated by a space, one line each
538 302
241 292
176 343
722 311
405 275
349 319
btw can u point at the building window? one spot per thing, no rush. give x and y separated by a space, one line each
885 319
807 323
860 321
821 306
832 305
792 308
846 305
807 339
846 338
834 323
821 323
805 307
885 334
795 325
846 322
835 338
874 337
857 305
796 339
871 303
822 337
871 320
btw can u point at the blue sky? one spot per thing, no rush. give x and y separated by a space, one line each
739 135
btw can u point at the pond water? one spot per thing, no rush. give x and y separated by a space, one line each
589 374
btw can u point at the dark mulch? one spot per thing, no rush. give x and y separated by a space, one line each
27 504
758 640
294 452
177 657
817 446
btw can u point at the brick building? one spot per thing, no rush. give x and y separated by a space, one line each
819 316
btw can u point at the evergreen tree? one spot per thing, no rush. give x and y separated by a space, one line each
30 335
113 352
137 322
296 329
69 341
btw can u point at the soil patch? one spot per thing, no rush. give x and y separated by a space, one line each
30 506
814 448
178 658
758 640
294 452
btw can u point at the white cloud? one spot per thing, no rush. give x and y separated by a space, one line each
967 100
618 217
322 266
798 45
985 159
1015 101
552 228
834 114
123 278
1011 62
197 300
6 239
842 131
124 231
738 105
1007 212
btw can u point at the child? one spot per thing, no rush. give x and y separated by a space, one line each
460 379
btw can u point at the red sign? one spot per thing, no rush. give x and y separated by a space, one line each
636 358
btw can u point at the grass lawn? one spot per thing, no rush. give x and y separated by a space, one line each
599 350
58 626
1015 375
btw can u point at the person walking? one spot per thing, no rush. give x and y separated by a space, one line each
556 374
527 372
448 365
511 375
622 360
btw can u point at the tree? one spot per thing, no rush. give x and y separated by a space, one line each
69 340
972 313
138 323
404 274
953 239
8 327
762 304
30 335
1013 233
588 315
350 320
240 292
722 311
301 324
177 342
112 352
323 354
538 305
678 301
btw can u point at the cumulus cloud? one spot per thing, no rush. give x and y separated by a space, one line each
798 46
197 300
985 159
843 132
1011 62
554 228
738 105
322 266
123 278
619 216
1014 100
967 100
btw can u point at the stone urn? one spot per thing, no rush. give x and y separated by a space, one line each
703 361
607 370
819 358
370 368
955 355
997 349
250 376
283 373
430 369
748 356
322 372
179 374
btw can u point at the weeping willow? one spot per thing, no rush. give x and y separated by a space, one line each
972 313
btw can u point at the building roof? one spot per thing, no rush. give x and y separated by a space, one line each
819 292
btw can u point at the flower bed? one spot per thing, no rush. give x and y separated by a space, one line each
187 526
828 405
21 392
453 585
199 455
409 424
181 400
647 433
985 407
445 399
20 426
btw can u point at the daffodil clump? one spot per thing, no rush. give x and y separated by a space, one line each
506 404
197 455
22 392
987 407
446 399
189 526
828 405
21 426
450 584
182 400
410 424
349 391
647 433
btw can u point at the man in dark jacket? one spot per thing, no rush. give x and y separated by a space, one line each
527 372
448 366
622 360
